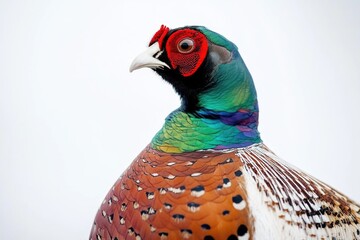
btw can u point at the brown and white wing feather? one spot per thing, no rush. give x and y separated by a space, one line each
287 203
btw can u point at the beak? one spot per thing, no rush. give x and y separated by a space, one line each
147 59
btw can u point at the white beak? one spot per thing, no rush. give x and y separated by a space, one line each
147 59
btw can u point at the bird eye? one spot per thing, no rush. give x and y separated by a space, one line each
186 45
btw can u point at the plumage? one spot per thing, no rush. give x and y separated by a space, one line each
207 174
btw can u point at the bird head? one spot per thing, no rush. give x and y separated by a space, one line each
204 68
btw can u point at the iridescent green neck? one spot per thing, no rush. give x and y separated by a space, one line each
206 129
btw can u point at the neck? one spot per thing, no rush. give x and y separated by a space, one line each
208 129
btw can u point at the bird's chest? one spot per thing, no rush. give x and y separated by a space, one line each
196 195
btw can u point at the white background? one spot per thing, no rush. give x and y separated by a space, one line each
72 117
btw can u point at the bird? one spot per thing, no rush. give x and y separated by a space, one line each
207 174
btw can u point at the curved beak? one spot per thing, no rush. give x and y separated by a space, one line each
148 59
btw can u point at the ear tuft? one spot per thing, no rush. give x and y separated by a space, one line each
159 36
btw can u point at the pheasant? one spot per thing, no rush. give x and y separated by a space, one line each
207 174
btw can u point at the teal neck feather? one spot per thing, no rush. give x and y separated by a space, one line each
227 115
186 132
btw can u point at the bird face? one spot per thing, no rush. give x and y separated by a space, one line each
186 50
182 50
191 59
180 57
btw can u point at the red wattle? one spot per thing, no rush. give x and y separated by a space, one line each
187 63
